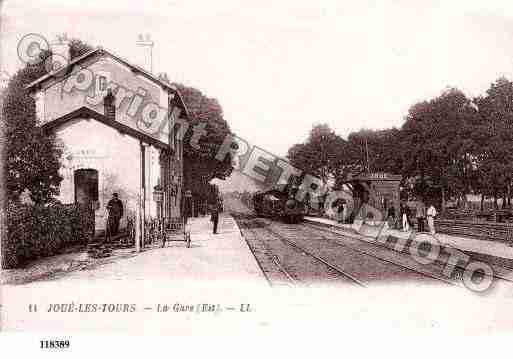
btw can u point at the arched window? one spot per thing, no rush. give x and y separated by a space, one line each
86 186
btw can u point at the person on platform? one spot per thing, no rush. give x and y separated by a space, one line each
420 214
186 209
405 214
341 211
214 214
115 212
391 217
431 214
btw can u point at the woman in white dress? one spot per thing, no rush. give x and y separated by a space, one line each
431 214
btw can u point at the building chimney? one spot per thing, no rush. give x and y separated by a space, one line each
109 104
145 53
163 77
60 51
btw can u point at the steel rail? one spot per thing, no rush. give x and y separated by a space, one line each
427 274
495 274
277 264
320 259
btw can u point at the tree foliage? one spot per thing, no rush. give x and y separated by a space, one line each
31 157
494 140
438 143
200 164
320 155
447 147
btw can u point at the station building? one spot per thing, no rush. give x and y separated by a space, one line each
115 122
379 189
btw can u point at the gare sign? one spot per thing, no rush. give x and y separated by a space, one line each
379 175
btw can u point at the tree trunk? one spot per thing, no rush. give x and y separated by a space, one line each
482 202
495 203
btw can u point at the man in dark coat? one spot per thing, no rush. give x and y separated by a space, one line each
391 217
214 217
115 208
186 208
420 213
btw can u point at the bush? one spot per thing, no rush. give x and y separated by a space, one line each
36 231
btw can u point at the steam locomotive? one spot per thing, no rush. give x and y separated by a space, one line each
279 204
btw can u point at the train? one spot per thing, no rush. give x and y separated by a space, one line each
279 205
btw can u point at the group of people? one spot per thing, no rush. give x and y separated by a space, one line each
421 215
115 213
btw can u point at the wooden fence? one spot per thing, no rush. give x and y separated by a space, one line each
482 230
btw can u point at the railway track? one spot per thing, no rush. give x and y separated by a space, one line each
356 266
380 262
501 271
280 259
320 259
272 268
391 261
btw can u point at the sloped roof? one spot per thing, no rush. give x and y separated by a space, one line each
102 52
86 112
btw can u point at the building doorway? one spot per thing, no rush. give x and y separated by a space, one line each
86 187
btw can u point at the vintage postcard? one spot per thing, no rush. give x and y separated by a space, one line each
185 168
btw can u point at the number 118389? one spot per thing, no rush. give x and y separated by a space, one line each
54 344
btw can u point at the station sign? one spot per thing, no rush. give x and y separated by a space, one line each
379 175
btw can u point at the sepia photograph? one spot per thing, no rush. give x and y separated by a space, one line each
193 168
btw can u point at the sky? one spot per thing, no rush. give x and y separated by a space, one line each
278 67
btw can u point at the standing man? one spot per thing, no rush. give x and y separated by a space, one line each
216 208
341 211
431 214
391 217
420 213
405 214
186 206
115 209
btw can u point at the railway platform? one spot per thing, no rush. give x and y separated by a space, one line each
222 256
493 252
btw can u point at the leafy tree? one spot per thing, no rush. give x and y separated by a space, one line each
380 146
448 146
200 165
321 154
31 157
494 136
438 142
